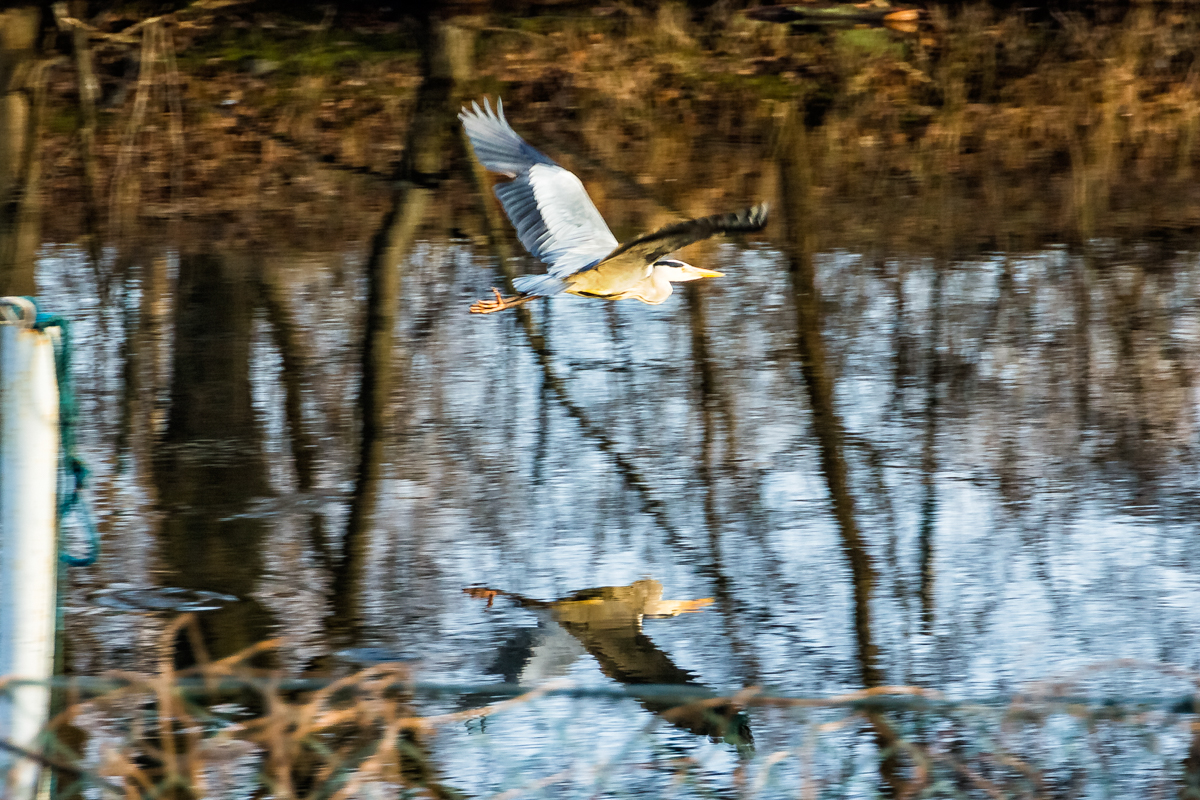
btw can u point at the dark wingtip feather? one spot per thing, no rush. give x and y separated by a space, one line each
665 240
751 219
746 220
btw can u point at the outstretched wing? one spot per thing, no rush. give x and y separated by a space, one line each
554 217
653 246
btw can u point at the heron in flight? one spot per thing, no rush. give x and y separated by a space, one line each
558 224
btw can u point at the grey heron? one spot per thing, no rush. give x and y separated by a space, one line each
558 224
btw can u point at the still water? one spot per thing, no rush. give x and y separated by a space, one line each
1022 482
866 456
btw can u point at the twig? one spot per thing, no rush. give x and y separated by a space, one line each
66 21
68 769
136 118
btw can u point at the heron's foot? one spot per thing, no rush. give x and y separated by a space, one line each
499 304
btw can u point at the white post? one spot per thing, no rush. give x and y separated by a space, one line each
28 539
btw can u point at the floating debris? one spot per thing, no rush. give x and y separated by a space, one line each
816 15
166 598
371 656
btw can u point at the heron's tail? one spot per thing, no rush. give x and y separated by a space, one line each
539 285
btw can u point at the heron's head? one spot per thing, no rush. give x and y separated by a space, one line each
678 271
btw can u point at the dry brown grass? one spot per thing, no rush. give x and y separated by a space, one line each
153 738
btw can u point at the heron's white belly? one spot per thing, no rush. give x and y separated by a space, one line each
609 279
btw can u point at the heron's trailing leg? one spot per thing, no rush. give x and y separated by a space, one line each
500 303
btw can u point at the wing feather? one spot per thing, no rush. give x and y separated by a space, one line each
653 246
555 219
496 144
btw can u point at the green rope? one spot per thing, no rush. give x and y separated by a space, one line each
72 473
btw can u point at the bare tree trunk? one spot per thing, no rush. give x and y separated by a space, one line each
446 59
88 92
710 402
294 353
818 382
22 89
211 459
795 185
929 460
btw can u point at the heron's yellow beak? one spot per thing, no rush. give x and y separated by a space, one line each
679 271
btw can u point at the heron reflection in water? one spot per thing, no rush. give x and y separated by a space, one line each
558 224
606 622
